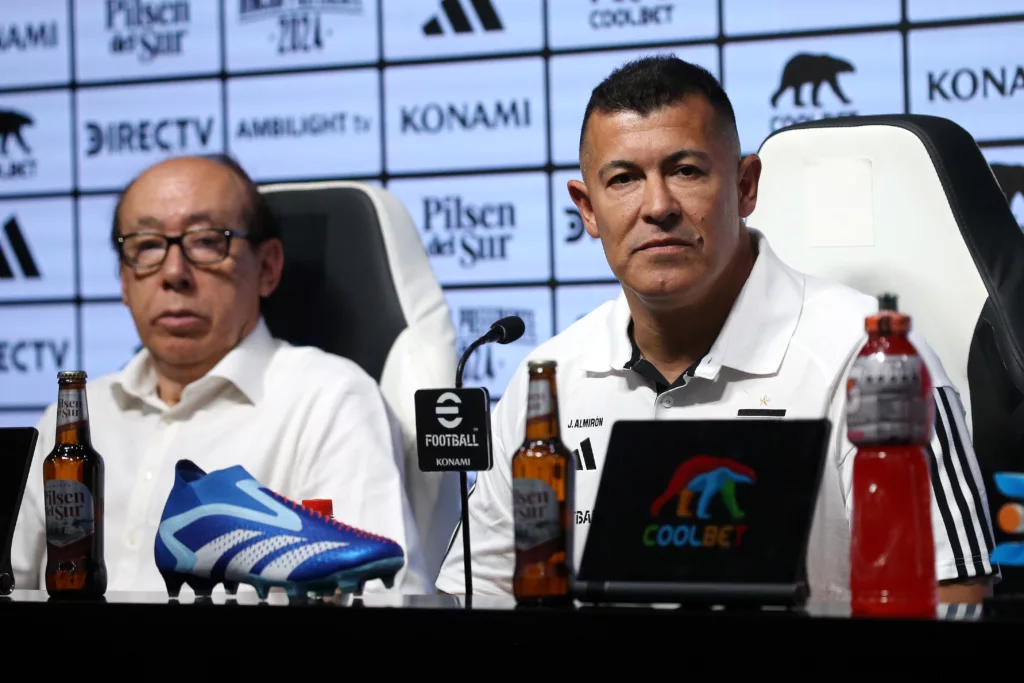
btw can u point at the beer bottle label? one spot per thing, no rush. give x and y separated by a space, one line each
538 401
885 401
72 409
70 518
538 528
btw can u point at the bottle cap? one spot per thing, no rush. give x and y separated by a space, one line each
888 319
325 506
887 302
71 376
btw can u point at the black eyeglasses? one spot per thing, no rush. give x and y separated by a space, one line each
203 247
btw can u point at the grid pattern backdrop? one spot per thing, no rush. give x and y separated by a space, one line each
468 110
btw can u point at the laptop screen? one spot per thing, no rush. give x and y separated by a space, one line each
706 501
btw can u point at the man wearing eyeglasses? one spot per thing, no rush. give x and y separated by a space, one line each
198 249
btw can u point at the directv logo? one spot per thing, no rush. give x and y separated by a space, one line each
442 409
459 20
21 253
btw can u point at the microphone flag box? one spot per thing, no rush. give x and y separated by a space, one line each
453 429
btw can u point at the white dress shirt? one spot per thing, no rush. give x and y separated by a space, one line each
304 423
788 341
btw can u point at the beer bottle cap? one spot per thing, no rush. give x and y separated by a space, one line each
325 506
71 375
541 364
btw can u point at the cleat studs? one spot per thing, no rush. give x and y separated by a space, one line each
262 590
173 581
203 587
231 587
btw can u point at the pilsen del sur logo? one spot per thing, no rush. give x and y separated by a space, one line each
810 88
300 26
147 29
695 487
474 233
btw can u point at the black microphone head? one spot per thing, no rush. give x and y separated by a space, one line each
510 329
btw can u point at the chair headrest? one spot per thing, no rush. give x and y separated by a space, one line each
906 203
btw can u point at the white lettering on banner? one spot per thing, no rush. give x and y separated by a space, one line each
18 356
452 462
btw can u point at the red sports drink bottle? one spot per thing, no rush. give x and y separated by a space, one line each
889 418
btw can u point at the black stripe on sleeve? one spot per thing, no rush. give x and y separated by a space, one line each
957 487
944 512
980 512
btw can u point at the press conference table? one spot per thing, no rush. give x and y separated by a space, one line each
381 619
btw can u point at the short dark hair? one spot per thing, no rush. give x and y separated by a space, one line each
260 223
650 83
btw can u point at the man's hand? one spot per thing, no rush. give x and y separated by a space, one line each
972 591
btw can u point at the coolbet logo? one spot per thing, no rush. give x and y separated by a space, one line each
474 232
41 36
814 71
622 13
300 27
1011 519
458 18
148 29
15 162
703 477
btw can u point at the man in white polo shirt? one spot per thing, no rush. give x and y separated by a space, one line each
198 249
709 323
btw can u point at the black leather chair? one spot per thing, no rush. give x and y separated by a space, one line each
357 283
908 203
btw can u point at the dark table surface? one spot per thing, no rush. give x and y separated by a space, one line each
820 627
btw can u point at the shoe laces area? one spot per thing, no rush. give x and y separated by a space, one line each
331 522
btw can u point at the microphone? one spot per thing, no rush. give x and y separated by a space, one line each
463 444
505 331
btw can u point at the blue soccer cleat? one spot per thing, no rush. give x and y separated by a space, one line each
226 527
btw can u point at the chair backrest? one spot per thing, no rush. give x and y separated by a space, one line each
357 283
908 204
17 446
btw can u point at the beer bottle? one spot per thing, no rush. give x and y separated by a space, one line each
543 498
73 493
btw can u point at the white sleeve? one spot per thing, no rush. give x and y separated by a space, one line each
28 550
960 511
355 461
491 529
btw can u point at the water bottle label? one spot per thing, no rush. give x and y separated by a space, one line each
886 403
69 512
537 522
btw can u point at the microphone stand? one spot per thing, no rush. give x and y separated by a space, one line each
467 563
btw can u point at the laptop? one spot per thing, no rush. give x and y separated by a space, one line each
17 446
705 512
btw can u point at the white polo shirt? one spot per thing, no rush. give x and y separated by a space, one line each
304 423
787 343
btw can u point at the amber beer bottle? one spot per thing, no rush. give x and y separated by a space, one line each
73 493
542 490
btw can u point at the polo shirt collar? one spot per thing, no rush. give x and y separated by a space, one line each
756 333
243 368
